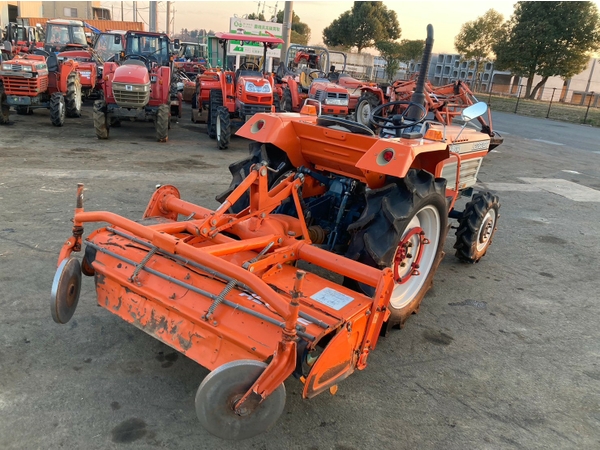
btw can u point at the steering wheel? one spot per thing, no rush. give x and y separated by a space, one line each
249 66
396 121
142 58
320 74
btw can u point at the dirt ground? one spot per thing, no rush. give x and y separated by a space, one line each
503 354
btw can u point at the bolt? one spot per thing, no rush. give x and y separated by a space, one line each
280 240
402 264
409 255
251 269
213 222
215 323
204 230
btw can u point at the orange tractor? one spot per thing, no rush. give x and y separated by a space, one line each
304 76
233 97
138 86
40 80
244 290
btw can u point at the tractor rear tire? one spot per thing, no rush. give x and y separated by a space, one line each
162 123
73 96
367 102
286 101
24 110
476 227
57 109
4 107
100 120
386 230
215 100
223 128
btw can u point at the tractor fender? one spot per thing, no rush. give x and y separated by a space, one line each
376 91
407 154
163 84
66 68
277 130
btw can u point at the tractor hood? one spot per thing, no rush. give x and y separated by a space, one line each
132 74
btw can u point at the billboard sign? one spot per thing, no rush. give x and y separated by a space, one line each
256 28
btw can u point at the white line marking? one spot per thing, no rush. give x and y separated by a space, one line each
548 142
567 189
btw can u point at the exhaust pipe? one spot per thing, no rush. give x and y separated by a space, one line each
418 96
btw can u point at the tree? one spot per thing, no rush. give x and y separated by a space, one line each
390 52
300 31
362 26
548 39
260 16
476 38
411 50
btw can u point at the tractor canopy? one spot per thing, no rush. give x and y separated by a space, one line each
61 34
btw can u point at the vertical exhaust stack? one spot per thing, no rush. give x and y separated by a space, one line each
414 113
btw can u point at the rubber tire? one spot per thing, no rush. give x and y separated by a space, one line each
223 128
469 226
366 99
57 109
378 231
100 120
73 98
286 101
24 110
215 100
277 103
4 107
162 123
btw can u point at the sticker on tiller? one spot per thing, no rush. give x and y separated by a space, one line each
332 298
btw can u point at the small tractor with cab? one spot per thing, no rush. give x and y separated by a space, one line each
246 290
40 80
138 85
235 96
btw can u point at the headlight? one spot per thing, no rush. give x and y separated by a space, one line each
26 68
6 66
264 89
336 101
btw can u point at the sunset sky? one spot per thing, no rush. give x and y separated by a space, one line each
413 16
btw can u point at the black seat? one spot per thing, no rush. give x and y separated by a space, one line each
41 52
52 62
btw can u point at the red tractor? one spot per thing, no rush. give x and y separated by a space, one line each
22 39
191 59
234 97
304 76
138 85
40 80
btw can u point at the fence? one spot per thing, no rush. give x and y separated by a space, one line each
552 103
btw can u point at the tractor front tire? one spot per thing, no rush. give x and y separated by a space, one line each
73 96
367 102
57 109
476 227
215 101
162 123
4 107
223 128
100 120
277 103
403 227
286 101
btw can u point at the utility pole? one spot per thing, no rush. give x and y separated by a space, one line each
121 11
168 18
287 28
152 17
135 11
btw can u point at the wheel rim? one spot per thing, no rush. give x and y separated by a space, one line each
61 109
218 130
364 113
78 97
423 248
488 224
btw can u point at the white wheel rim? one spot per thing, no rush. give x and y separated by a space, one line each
78 97
428 219
365 113
219 127
61 109
488 224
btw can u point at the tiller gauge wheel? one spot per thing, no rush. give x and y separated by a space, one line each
223 387
65 290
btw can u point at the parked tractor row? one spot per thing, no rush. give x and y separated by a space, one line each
245 290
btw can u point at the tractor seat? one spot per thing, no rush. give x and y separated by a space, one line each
338 123
41 52
305 81
133 62
52 62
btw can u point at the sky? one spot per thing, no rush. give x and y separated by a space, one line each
413 16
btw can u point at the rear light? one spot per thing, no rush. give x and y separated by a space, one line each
385 156
257 126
